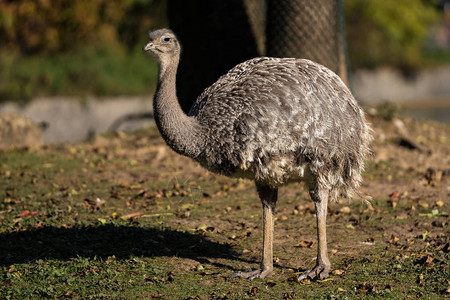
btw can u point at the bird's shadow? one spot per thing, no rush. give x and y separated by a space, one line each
121 241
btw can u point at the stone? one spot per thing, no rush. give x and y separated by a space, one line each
19 132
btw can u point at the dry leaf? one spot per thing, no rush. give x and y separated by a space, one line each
304 244
253 291
202 227
170 277
420 279
199 268
394 239
338 272
345 210
394 198
271 283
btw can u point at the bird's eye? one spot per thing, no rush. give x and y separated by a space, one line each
166 39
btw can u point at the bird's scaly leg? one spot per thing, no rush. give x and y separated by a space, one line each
323 266
268 198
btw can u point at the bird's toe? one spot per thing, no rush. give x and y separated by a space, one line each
320 271
252 274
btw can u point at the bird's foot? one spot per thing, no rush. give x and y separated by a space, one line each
253 273
320 271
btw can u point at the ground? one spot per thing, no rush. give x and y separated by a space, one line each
123 217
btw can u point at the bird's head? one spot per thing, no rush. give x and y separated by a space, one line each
163 44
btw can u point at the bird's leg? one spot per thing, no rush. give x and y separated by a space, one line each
322 268
268 198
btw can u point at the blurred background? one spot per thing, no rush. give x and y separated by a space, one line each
76 68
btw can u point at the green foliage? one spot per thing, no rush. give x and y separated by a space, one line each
89 72
51 26
387 32
92 47
76 48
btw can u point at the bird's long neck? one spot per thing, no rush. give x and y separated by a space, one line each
181 132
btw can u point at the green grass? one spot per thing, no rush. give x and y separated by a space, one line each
194 230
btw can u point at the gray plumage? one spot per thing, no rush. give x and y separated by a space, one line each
272 120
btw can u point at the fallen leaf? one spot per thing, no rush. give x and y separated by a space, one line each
187 206
394 198
338 272
271 283
93 204
170 276
157 295
424 205
199 268
345 210
304 244
202 227
101 220
394 239
444 247
425 260
305 281
135 187
420 279
253 291
25 213
293 278
366 288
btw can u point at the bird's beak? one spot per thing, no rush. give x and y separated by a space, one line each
149 46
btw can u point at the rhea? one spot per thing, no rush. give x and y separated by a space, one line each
271 120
